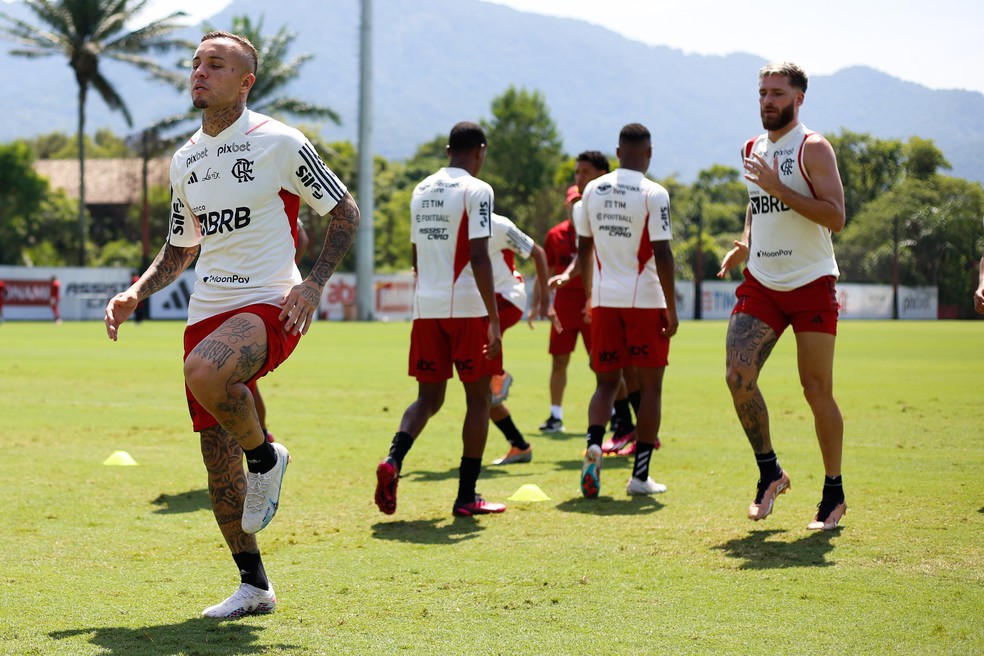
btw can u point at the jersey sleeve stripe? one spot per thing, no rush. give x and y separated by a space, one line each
321 172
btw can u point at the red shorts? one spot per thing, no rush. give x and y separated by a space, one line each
279 346
628 336
570 312
509 314
810 308
436 344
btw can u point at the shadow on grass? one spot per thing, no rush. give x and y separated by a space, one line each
610 506
193 636
488 471
610 463
759 552
186 502
428 531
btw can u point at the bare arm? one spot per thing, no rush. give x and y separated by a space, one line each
302 300
979 294
170 263
585 261
540 306
739 253
482 268
667 280
827 209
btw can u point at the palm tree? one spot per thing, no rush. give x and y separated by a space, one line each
83 31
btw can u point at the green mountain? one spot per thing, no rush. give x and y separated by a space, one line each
439 61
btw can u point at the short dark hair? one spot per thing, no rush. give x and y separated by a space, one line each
795 74
635 133
595 158
247 46
466 136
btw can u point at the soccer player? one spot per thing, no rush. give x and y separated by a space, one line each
796 201
455 318
236 188
625 223
978 295
54 296
506 243
570 311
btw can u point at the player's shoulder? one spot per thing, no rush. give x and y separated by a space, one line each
500 221
262 126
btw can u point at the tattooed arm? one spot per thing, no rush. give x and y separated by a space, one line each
165 269
302 301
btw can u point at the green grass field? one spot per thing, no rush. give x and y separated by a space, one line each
96 559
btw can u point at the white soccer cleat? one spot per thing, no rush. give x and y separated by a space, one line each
648 486
263 493
246 600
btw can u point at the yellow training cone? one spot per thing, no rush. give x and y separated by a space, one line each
121 458
529 492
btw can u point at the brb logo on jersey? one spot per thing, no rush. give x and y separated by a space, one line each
224 221
242 170
307 179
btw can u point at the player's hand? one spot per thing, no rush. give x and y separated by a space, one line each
757 170
733 258
586 313
494 346
558 281
979 300
670 323
554 319
299 306
118 310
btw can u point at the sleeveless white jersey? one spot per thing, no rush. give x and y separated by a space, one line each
506 242
447 210
624 212
787 250
237 195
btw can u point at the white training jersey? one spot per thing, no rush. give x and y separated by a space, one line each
447 210
237 196
506 242
624 212
787 250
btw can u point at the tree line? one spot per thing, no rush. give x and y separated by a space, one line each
907 221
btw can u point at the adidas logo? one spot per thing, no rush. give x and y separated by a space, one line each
193 179
817 319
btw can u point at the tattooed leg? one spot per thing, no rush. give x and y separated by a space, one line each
749 344
226 487
216 372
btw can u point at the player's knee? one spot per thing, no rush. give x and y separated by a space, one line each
817 392
201 380
741 380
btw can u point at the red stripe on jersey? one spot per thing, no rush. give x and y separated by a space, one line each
510 259
462 250
748 147
292 204
799 159
255 127
645 247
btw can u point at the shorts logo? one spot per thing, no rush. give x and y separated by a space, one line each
426 365
242 170
464 365
639 351
608 356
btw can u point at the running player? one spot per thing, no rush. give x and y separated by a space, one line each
625 223
506 243
456 321
796 200
236 188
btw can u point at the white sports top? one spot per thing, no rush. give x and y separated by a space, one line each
624 212
237 195
508 241
787 250
447 210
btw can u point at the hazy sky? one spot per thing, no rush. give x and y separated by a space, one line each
937 43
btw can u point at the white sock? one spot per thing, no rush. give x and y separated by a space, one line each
557 412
